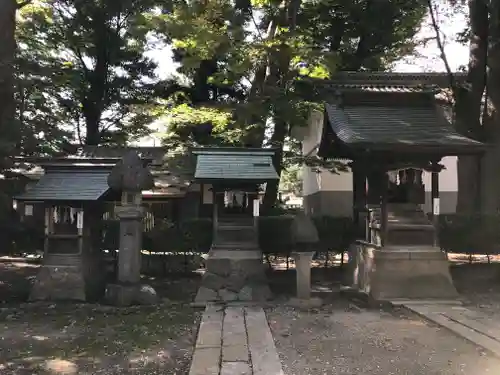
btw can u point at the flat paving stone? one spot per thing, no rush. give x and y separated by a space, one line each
235 353
265 359
460 323
236 368
206 361
238 334
210 331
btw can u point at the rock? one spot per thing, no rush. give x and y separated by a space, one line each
245 293
120 295
146 295
261 292
220 267
212 281
204 294
226 295
235 282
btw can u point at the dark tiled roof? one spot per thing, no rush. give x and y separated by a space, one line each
383 82
155 153
385 126
361 79
69 185
235 164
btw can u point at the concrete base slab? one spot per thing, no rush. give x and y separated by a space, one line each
462 322
420 302
401 272
410 274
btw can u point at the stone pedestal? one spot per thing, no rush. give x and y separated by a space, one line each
234 275
410 273
408 266
128 290
69 277
303 271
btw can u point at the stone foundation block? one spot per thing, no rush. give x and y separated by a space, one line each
410 272
59 283
69 277
234 275
127 295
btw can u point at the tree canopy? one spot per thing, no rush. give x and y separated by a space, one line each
83 75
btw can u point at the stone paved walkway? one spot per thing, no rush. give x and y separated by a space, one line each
235 340
477 327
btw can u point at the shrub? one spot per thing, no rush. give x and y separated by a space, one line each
469 234
197 234
335 233
274 234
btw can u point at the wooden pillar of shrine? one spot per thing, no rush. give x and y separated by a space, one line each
435 200
215 213
359 213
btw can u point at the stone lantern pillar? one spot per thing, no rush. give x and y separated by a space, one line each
304 240
130 177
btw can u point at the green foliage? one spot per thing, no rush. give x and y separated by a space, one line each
87 62
335 233
245 57
291 180
198 234
187 236
469 234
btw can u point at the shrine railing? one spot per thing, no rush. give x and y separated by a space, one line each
373 230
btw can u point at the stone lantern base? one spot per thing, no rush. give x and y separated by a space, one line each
69 277
127 295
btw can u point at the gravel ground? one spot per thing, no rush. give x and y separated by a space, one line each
338 340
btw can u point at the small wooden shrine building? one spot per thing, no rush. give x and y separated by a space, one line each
391 127
231 179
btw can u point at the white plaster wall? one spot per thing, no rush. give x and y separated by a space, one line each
325 180
447 177
208 197
310 142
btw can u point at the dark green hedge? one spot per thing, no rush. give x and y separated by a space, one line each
335 233
465 234
470 234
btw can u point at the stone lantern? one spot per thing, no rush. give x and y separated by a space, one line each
304 241
130 177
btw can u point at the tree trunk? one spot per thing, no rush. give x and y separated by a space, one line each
7 53
468 108
277 141
491 181
279 64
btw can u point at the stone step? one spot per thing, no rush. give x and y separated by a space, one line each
235 246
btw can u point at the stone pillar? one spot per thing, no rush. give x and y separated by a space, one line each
130 177
129 259
304 238
303 270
